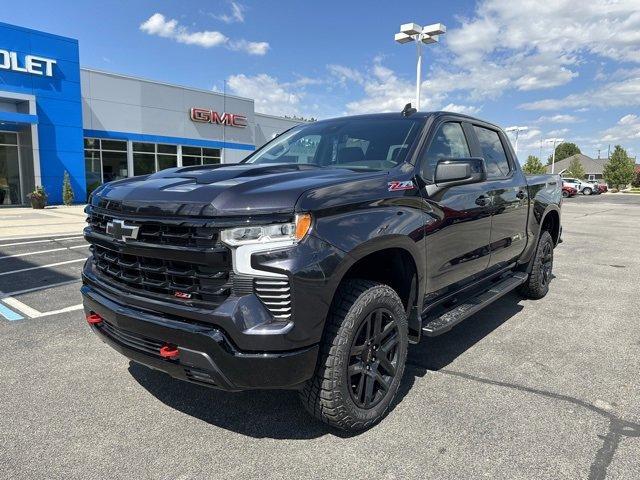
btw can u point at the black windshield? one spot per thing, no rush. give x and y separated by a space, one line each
355 143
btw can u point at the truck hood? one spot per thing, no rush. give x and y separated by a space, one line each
223 190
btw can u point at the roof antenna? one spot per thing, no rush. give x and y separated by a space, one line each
408 110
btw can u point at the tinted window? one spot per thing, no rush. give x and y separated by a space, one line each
448 142
492 152
353 143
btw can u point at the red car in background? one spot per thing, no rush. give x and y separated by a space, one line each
602 187
568 191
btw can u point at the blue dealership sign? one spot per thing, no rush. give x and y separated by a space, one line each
45 68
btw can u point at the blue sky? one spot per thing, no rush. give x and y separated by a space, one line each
562 68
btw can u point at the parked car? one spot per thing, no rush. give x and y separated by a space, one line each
568 191
584 187
602 187
313 263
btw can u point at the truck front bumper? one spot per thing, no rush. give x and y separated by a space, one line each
206 356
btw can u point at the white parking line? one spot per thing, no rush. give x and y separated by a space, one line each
21 307
49 239
72 308
43 266
43 251
33 313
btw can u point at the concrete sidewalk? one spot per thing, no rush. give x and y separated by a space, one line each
52 221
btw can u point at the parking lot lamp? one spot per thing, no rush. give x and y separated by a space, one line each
556 142
412 32
517 131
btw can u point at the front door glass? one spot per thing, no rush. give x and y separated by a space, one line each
10 193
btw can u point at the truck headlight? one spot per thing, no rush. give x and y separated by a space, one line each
260 234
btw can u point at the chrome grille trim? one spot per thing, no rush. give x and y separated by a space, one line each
275 294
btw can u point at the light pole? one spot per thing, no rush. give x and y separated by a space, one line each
556 142
517 131
412 32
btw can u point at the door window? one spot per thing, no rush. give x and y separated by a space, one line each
448 142
9 170
493 152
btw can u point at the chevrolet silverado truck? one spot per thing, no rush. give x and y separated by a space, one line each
315 262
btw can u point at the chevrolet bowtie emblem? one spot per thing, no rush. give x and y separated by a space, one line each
121 231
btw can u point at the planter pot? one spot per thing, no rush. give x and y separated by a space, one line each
38 203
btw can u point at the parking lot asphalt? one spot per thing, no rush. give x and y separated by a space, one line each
524 389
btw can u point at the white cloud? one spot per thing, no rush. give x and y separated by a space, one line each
157 24
558 132
613 94
344 74
528 46
627 128
466 109
236 14
269 94
252 48
560 118
609 29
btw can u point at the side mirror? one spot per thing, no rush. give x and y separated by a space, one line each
460 171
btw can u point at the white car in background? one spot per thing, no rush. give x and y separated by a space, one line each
584 187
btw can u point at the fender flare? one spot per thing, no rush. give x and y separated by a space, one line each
386 242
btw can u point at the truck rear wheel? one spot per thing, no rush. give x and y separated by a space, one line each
362 357
537 284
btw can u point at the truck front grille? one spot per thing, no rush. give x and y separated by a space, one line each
275 293
177 234
161 276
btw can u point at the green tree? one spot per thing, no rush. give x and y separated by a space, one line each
564 150
67 191
575 170
533 165
619 170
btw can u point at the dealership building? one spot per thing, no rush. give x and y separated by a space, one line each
56 116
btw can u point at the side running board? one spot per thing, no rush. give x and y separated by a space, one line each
447 320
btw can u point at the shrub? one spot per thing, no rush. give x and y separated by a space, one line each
67 191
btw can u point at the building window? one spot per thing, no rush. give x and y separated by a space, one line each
105 161
200 156
150 157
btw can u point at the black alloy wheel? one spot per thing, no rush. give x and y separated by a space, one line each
547 263
373 358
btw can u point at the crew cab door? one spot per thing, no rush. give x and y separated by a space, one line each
507 187
458 226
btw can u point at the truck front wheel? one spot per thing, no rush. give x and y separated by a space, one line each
537 285
362 357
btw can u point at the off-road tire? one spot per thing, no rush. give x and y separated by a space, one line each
328 395
537 285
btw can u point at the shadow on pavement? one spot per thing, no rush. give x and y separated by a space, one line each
279 414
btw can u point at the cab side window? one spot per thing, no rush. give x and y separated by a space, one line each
448 142
493 152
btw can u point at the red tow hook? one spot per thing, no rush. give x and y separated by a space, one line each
94 319
169 351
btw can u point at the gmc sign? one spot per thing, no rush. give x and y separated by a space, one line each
210 116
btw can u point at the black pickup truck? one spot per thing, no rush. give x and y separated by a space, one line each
312 264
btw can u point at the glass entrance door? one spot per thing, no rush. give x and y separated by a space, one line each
10 193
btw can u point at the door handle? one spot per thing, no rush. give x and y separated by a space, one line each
521 194
482 200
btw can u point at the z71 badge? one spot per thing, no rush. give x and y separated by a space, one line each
396 186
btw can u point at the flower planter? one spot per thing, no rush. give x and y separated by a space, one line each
38 203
